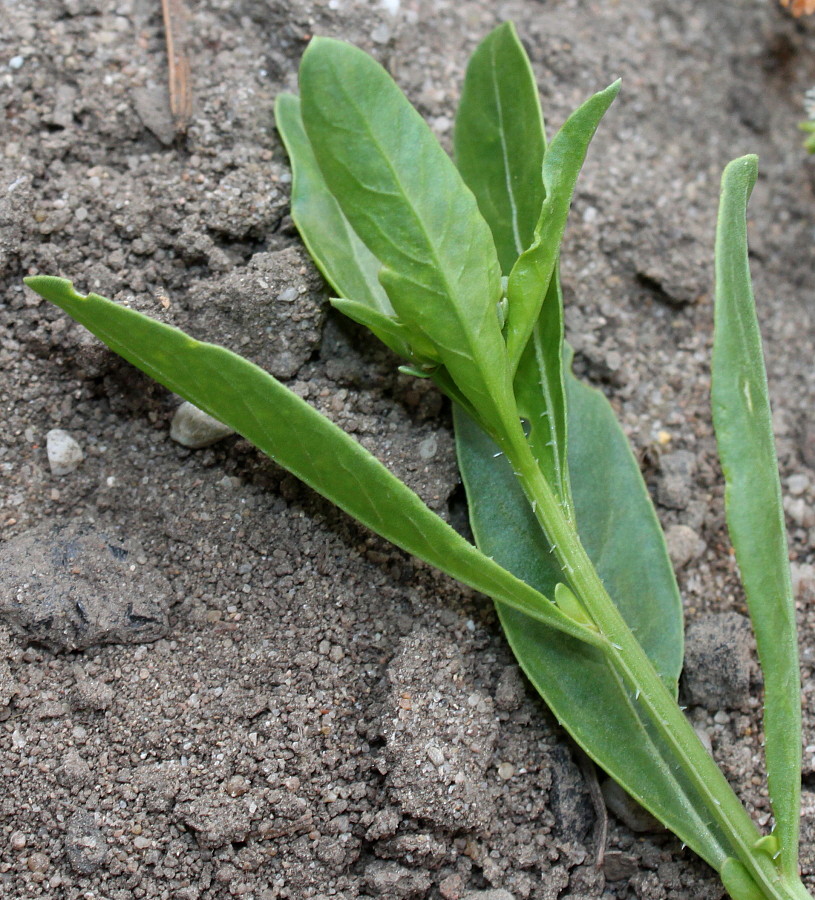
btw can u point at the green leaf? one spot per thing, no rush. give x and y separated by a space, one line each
389 330
755 516
405 199
541 398
500 146
619 529
499 141
738 882
300 439
347 264
530 275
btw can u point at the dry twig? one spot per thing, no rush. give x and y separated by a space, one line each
175 30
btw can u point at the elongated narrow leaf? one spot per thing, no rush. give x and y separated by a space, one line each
499 141
530 276
406 201
541 397
755 516
297 437
347 264
390 331
620 531
500 145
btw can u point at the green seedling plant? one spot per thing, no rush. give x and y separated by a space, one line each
454 265
808 126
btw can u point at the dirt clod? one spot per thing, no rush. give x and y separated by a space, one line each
69 587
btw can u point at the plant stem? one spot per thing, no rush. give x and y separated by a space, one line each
628 658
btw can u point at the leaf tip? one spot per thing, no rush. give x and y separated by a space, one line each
745 166
284 102
51 287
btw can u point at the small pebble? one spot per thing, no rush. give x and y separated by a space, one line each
803 580
428 447
510 690
799 511
435 755
16 62
684 544
506 771
381 34
237 786
38 862
797 484
704 737
74 770
17 840
193 428
64 453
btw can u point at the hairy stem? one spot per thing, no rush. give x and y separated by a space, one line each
632 664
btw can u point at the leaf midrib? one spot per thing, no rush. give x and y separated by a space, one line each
516 235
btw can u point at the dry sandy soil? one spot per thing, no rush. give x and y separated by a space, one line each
320 716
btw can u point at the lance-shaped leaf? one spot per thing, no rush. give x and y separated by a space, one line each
500 145
499 141
530 276
405 199
346 263
755 516
300 439
620 532
541 397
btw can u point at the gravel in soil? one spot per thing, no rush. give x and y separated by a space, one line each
319 715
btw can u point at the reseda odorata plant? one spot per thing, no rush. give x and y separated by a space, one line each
454 265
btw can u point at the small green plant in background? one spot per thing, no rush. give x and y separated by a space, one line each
809 125
455 267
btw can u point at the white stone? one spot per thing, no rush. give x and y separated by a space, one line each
64 453
193 428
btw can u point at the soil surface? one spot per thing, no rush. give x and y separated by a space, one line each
291 707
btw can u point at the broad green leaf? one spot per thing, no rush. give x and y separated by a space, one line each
499 141
755 516
541 398
530 275
621 534
403 196
347 264
300 439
